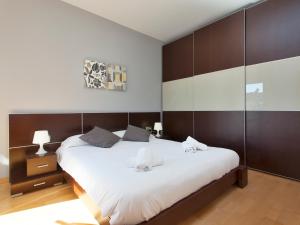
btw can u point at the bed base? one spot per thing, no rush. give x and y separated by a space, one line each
180 210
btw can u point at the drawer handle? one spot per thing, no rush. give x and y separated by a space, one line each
39 184
43 165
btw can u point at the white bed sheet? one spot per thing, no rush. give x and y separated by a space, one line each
130 197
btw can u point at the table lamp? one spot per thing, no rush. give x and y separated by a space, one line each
41 137
158 128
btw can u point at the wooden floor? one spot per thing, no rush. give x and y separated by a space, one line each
267 200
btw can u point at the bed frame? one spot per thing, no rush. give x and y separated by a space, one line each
180 210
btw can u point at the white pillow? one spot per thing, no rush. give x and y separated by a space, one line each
73 141
120 133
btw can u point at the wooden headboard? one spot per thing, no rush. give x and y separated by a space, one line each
108 121
61 126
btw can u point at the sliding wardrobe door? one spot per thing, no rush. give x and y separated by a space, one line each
219 83
178 59
273 87
177 88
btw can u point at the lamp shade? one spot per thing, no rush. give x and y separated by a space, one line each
157 126
41 137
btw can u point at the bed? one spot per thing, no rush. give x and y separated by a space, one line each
182 184
172 211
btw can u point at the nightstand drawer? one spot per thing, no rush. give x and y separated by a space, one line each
41 164
37 184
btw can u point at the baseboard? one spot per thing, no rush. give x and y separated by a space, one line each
273 174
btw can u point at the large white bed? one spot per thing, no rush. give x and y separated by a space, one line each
130 197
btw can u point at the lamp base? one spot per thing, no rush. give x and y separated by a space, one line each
41 151
158 135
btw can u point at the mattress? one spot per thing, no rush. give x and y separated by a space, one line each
131 197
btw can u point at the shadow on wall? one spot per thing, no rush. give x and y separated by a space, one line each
4 163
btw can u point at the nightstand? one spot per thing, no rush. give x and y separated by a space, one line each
37 164
41 172
163 137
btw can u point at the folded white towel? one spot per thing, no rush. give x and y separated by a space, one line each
145 160
192 145
198 145
188 147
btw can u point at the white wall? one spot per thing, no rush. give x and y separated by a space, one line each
42 48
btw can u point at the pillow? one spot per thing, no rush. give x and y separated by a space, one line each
120 133
73 141
136 134
100 138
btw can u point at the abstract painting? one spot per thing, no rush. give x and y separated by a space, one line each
117 77
111 77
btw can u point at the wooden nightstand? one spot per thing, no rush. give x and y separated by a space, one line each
41 172
163 137
41 164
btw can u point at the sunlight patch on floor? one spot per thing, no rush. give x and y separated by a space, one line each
72 212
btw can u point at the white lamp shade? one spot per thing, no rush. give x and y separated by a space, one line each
157 126
41 137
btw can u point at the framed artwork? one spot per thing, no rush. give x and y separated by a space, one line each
99 75
117 77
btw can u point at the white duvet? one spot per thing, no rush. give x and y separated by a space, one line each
131 197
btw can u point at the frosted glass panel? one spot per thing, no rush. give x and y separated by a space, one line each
274 86
178 95
220 91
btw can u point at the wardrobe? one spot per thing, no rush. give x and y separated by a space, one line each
235 84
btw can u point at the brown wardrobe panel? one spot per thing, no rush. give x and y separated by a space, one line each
221 129
220 45
144 119
272 31
273 142
178 59
60 126
178 125
108 121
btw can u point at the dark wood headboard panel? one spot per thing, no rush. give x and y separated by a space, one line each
108 121
144 119
60 126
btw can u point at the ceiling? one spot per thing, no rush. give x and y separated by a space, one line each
164 20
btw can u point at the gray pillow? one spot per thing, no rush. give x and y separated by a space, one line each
136 134
100 138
